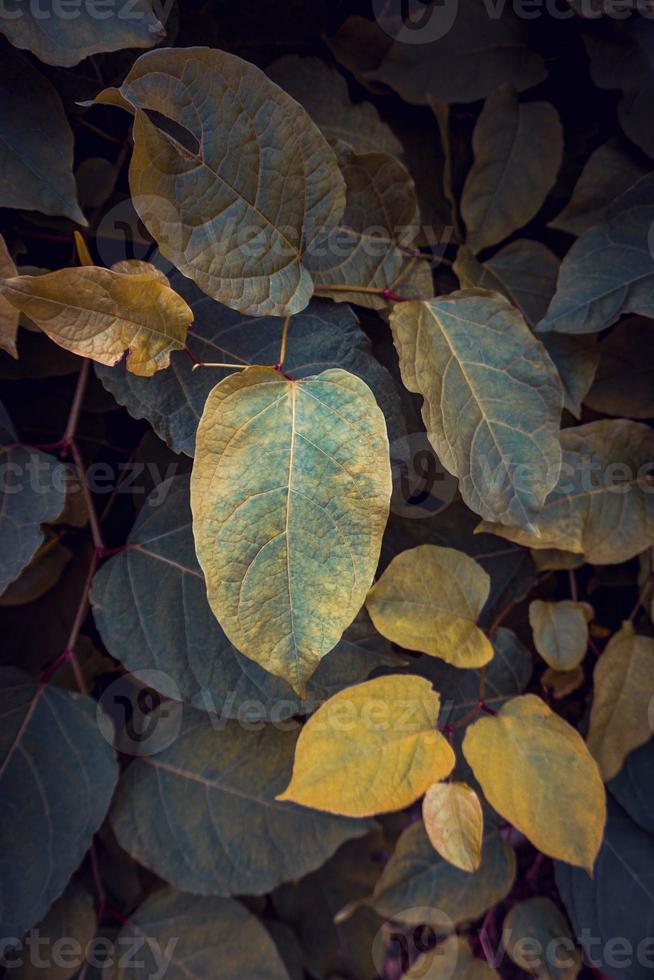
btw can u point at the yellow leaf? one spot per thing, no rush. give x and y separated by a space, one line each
560 631
100 313
428 599
9 315
454 823
536 771
623 689
372 748
290 494
450 960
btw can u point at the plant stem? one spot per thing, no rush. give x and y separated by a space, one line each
218 364
573 585
282 349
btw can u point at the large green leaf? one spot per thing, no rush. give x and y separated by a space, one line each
518 151
57 776
325 335
32 493
224 833
616 901
235 182
290 494
60 36
462 55
492 399
417 879
170 633
603 505
36 142
609 270
186 936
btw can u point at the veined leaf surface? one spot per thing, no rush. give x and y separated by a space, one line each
454 823
290 494
492 399
560 631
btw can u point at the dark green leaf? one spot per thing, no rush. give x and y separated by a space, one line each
624 383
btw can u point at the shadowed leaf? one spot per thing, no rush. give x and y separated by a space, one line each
538 922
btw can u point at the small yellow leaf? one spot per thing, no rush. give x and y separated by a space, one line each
623 691
560 631
372 748
537 772
428 599
9 315
454 823
450 960
100 313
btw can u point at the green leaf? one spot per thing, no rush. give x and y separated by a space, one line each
418 880
170 638
372 748
624 383
609 270
576 359
453 954
32 493
290 494
57 776
608 172
36 145
560 631
602 506
217 783
479 370
518 151
237 223
370 248
57 40
71 920
101 313
633 787
536 771
464 54
616 903
323 336
323 92
623 692
429 599
188 936
537 937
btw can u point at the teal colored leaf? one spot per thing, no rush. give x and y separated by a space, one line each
323 336
633 787
32 493
36 142
57 777
624 383
217 784
187 936
71 919
150 607
609 270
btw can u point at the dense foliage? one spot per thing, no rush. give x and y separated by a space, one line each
327 519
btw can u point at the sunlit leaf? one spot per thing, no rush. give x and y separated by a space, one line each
31 493
340 751
560 631
492 399
623 692
187 935
418 879
57 776
603 505
518 150
60 36
537 937
325 335
463 55
168 636
536 771
36 145
609 270
290 494
454 823
453 954
624 383
101 314
236 182
429 599
608 172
